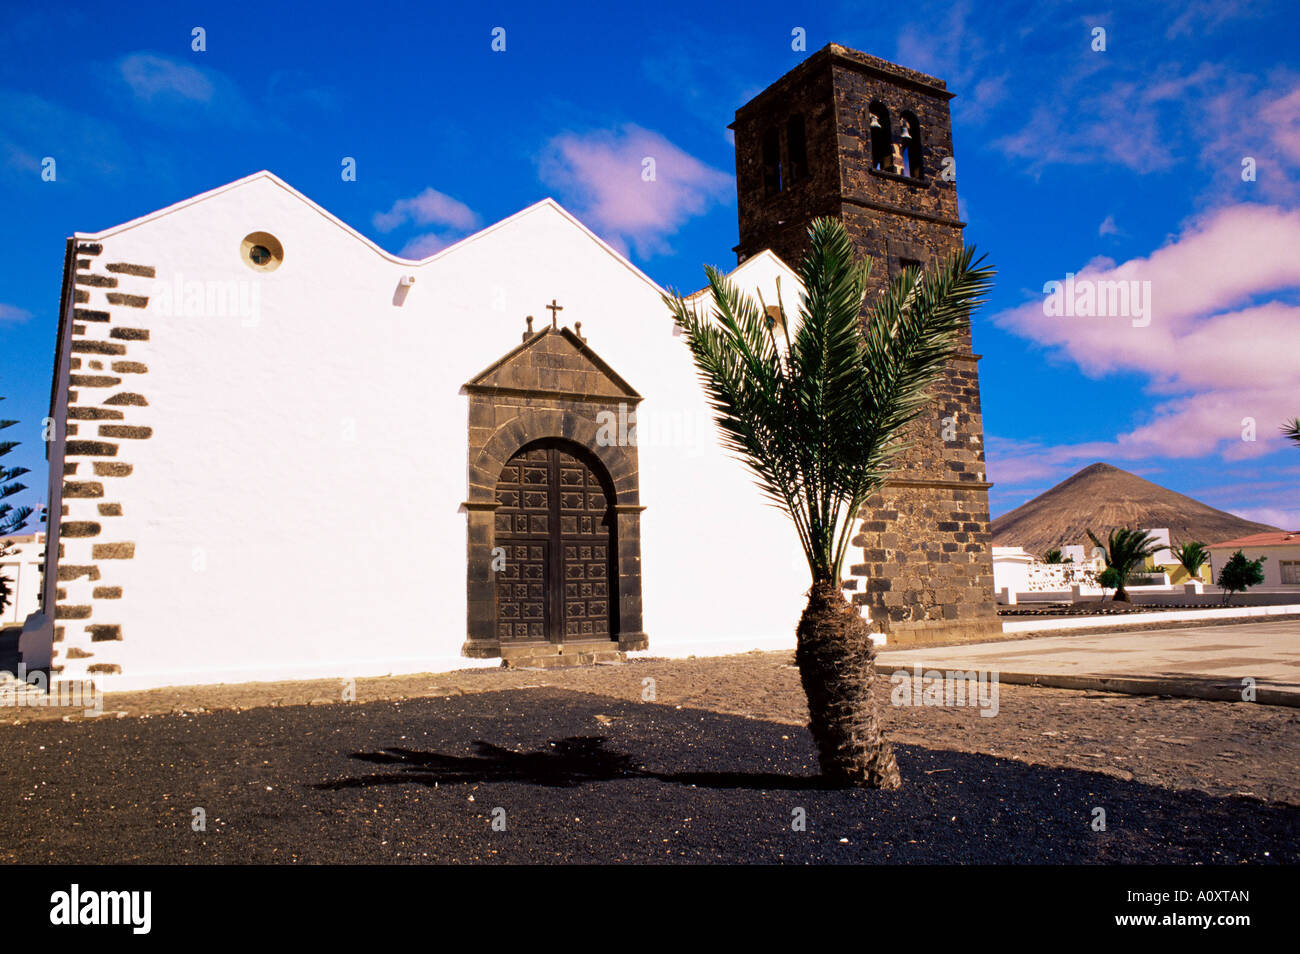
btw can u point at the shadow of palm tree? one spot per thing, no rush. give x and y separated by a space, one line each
564 763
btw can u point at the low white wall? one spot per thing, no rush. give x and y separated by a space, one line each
1147 619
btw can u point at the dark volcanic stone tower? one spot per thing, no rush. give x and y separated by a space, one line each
848 135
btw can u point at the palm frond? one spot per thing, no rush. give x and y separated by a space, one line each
817 422
910 336
13 519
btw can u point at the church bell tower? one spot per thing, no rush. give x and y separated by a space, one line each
848 135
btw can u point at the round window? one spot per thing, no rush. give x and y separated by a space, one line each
262 251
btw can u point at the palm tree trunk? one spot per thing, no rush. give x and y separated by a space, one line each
837 667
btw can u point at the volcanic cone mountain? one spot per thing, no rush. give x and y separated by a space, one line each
1101 497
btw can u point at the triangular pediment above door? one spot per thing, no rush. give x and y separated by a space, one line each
553 362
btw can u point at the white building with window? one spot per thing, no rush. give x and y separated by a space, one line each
1281 550
21 566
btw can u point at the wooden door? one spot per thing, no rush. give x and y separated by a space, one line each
556 526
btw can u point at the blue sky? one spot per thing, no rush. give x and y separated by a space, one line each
1120 163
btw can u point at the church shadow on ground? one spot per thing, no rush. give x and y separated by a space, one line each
563 763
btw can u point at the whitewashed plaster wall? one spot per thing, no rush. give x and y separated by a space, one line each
296 510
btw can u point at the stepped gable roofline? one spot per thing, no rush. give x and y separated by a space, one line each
854 59
1282 538
547 204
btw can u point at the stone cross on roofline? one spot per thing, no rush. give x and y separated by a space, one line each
555 308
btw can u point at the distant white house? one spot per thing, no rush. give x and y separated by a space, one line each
22 568
1011 570
1077 553
1280 548
1165 555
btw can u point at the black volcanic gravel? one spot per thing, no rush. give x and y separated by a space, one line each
581 778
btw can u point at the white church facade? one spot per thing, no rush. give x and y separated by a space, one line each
286 453
282 452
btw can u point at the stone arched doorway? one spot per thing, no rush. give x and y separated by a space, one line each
553 569
556 538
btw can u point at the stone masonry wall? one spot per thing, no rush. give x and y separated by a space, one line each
107 413
780 222
927 562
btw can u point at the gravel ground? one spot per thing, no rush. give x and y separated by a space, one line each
580 778
1216 747
585 770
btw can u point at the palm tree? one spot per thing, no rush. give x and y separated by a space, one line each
816 417
1052 556
1123 551
1191 557
1291 430
12 518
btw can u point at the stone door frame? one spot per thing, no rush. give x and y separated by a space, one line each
508 411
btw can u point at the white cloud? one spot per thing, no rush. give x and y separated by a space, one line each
1220 346
603 176
153 77
422 246
175 93
430 207
1203 16
33 128
944 43
1287 519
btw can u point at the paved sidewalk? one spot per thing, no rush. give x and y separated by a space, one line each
1206 662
